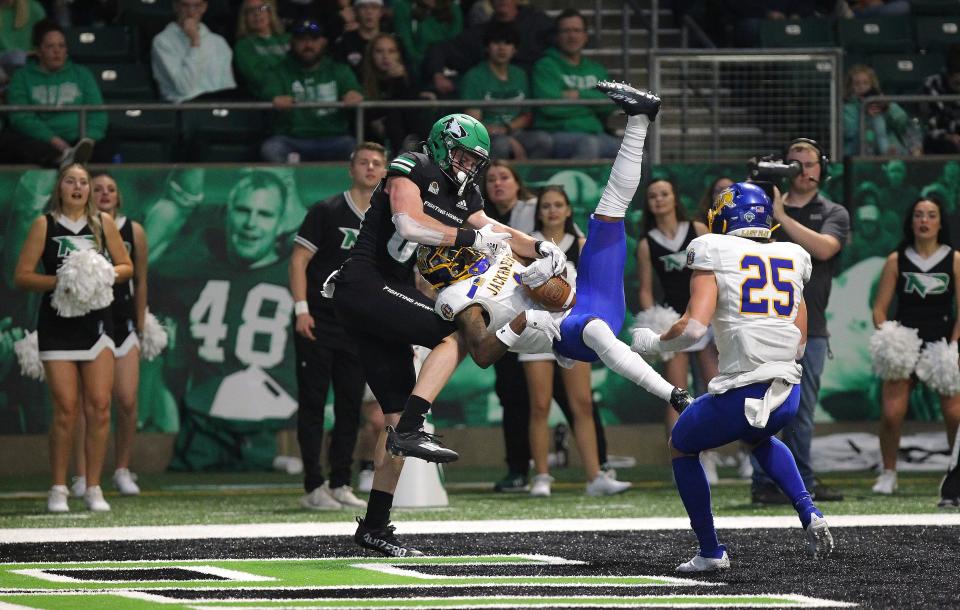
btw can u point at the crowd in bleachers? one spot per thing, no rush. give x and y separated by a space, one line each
292 51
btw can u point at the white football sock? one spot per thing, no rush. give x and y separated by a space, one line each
620 359
625 173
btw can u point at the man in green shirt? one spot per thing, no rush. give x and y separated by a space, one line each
307 74
497 79
578 130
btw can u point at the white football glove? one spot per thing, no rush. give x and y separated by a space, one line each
537 273
489 240
645 341
551 251
544 322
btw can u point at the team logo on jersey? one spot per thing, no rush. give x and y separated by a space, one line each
453 127
73 243
349 237
925 284
675 261
446 311
434 188
462 204
691 255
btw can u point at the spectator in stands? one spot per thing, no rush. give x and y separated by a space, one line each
307 74
421 24
943 122
385 77
898 191
457 55
577 130
497 79
351 46
17 19
889 129
872 8
947 187
54 138
187 59
261 44
334 16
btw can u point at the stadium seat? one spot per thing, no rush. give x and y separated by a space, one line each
148 17
123 82
812 32
143 136
937 33
883 34
230 135
904 73
101 44
935 7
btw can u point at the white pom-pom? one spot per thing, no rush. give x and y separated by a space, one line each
937 367
659 319
84 284
28 355
894 350
154 339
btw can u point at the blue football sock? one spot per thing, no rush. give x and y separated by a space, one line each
695 493
777 461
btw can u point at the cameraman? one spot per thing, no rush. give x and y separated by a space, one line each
821 227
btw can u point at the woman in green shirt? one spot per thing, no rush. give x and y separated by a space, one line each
261 44
422 23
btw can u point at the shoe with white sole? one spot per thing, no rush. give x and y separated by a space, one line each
819 538
540 485
886 483
344 495
78 486
604 485
320 499
57 499
706 564
94 500
125 482
365 481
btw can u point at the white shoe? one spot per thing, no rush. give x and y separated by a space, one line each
124 481
745 467
78 486
94 500
705 564
365 481
344 495
540 485
886 483
819 538
320 499
709 459
57 499
603 485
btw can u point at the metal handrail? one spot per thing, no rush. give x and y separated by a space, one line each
862 136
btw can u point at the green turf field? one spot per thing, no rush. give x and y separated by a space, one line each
270 497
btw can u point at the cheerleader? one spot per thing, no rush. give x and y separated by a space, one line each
922 274
77 352
129 308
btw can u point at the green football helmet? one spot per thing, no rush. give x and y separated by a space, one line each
459 131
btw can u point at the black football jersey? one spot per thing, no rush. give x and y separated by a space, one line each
379 243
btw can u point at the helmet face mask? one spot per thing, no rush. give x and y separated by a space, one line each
445 265
452 139
743 210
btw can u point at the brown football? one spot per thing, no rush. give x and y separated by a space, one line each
555 295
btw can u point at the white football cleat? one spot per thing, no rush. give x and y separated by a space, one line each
819 538
365 481
125 482
94 500
705 564
320 499
57 499
540 485
605 485
886 483
78 486
344 495
709 460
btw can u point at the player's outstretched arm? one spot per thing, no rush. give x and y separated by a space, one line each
691 326
486 347
521 243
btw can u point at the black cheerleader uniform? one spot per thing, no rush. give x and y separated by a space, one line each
60 338
124 314
925 290
669 260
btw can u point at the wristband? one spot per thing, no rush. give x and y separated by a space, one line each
536 246
300 308
506 335
465 237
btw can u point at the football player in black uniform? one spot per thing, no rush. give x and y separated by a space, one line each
324 351
427 198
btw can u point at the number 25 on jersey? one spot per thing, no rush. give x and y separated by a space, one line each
755 297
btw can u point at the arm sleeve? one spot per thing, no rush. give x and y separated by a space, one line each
27 123
346 80
837 224
96 121
310 231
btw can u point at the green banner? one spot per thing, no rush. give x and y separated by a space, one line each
218 282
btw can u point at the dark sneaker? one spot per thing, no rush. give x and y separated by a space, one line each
950 489
78 153
383 541
768 493
680 399
632 101
513 482
419 444
822 493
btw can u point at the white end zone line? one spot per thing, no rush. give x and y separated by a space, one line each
291 530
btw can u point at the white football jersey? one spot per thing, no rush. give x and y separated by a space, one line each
502 296
760 286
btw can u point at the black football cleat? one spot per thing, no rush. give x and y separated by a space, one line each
419 444
631 100
950 489
382 540
680 399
